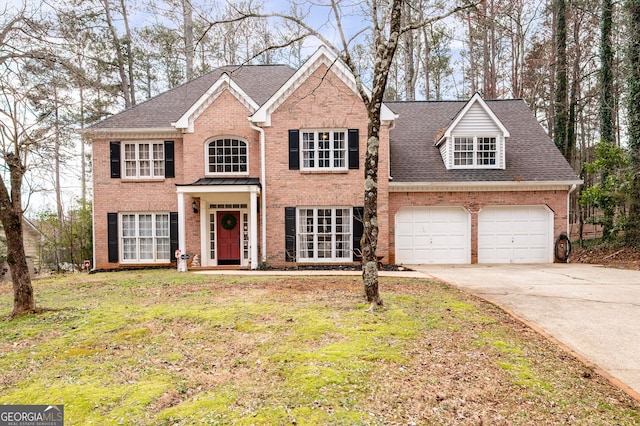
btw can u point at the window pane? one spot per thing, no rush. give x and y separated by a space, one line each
143 151
463 152
162 225
129 249
145 225
163 249
486 151
129 151
146 248
308 150
128 225
339 150
227 156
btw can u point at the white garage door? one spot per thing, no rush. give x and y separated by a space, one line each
515 234
432 235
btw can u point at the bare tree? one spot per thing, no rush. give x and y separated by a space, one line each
19 39
386 28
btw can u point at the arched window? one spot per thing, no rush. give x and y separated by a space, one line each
227 156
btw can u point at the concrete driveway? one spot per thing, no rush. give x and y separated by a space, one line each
592 310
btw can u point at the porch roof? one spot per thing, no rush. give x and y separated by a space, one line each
223 181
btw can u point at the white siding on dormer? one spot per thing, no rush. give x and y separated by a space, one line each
444 152
476 122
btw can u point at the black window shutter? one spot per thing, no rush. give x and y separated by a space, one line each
112 237
354 149
169 161
290 233
358 229
114 152
173 234
294 149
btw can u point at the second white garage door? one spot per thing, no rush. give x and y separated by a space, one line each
515 234
432 235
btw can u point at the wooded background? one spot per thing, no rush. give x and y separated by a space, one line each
68 64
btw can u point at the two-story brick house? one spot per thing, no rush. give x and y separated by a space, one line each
256 164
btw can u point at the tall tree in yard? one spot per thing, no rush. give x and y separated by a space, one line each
386 29
20 134
607 95
633 86
561 98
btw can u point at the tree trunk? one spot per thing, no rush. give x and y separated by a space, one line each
370 237
385 51
11 217
632 233
561 107
187 10
119 57
607 95
130 59
23 299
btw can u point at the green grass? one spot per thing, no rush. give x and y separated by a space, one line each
163 348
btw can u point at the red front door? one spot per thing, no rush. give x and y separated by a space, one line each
228 231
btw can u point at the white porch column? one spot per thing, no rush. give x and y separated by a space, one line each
253 232
182 233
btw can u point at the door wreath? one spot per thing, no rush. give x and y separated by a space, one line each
228 221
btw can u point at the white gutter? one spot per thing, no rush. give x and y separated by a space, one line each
263 181
480 186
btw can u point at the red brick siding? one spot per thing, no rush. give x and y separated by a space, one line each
323 101
118 195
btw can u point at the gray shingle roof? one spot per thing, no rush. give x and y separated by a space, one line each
530 154
259 82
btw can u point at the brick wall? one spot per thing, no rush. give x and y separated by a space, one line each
556 200
112 195
323 101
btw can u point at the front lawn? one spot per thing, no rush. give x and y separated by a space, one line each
167 348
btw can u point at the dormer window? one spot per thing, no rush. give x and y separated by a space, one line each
475 139
474 151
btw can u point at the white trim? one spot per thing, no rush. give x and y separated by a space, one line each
225 174
332 150
182 233
225 82
253 231
474 99
263 198
133 133
349 252
151 159
213 189
322 56
499 153
137 236
482 186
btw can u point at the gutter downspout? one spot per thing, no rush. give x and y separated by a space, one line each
263 197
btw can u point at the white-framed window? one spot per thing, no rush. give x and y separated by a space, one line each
143 160
323 149
475 151
324 234
144 237
227 156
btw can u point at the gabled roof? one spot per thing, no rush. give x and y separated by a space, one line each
531 155
258 82
475 99
322 56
